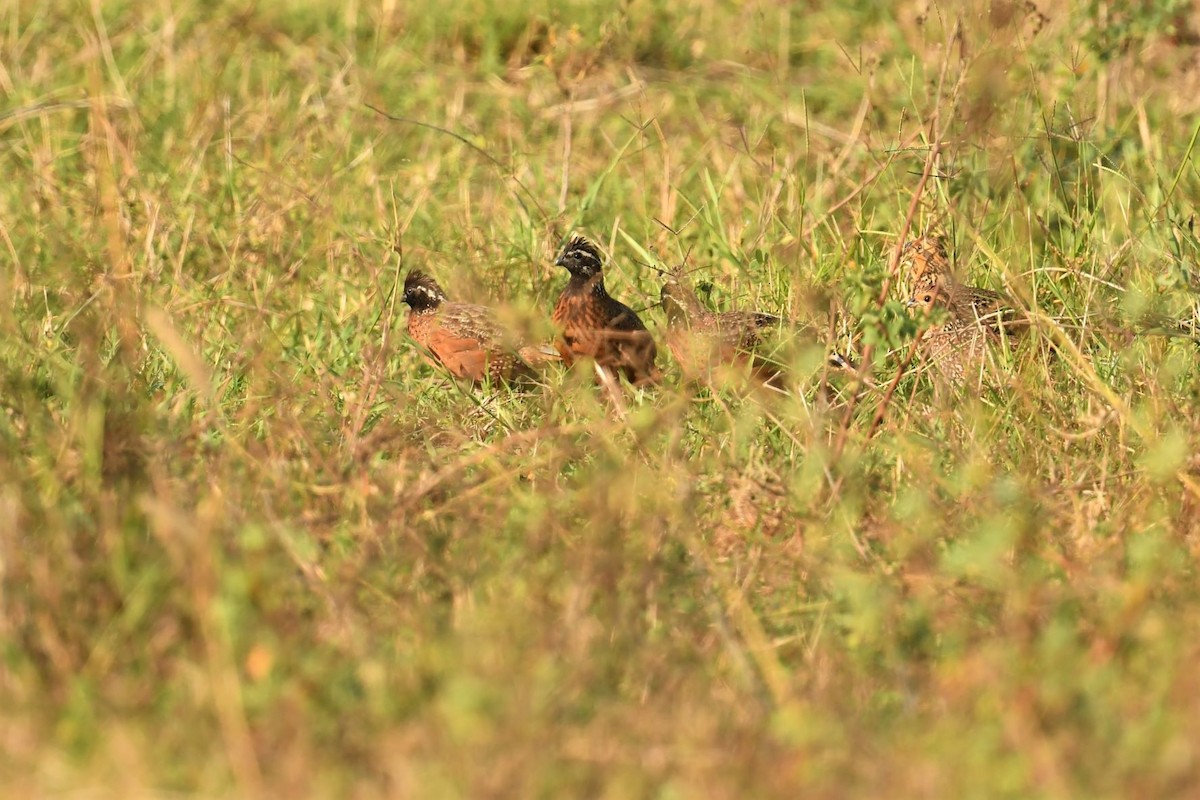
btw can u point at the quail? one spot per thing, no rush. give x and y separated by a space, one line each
700 339
594 326
464 338
975 320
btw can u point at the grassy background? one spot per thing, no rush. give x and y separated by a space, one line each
252 545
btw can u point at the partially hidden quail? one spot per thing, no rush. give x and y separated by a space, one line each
701 339
464 338
593 326
975 320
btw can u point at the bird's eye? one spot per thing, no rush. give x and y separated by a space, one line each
927 298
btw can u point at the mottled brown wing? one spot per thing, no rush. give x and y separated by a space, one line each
958 350
968 303
472 321
746 330
754 330
989 308
467 340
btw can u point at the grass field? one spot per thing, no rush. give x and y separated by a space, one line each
252 544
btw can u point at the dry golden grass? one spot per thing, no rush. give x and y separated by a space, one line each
252 545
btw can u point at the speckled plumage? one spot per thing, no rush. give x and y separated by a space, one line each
701 339
975 321
464 338
924 254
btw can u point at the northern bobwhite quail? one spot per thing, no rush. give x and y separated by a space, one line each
592 325
701 339
975 319
464 338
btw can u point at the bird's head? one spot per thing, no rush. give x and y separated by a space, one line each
422 292
581 258
929 292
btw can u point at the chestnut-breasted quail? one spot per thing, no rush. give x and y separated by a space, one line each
464 338
593 326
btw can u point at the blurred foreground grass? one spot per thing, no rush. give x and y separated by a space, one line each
251 545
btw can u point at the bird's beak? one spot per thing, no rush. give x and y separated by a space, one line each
561 261
911 302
